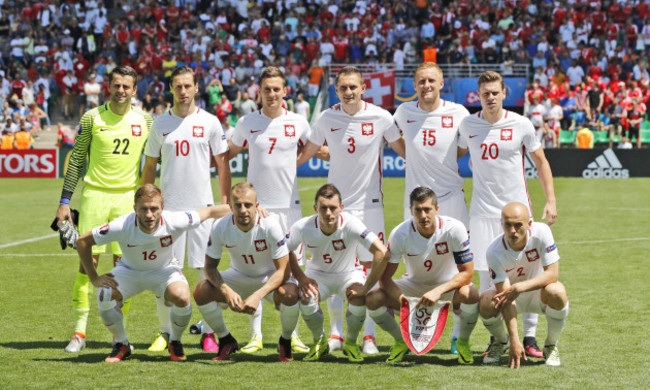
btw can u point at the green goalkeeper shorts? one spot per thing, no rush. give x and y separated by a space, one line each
99 207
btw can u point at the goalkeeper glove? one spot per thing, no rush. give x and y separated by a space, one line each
68 233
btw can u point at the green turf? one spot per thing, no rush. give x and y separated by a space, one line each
603 236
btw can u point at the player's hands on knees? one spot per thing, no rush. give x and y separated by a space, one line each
105 280
356 291
517 352
234 300
308 287
429 299
250 305
506 297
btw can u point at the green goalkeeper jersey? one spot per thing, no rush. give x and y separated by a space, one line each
113 144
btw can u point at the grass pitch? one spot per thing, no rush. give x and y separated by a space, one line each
603 236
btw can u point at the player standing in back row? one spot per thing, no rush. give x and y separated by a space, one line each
430 129
187 138
354 131
273 136
498 141
112 136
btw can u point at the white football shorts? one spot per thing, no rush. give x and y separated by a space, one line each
132 282
335 283
197 243
374 220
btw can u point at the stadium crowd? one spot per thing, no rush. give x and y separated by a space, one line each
589 57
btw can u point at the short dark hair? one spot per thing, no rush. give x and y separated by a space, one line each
148 191
182 70
271 72
123 70
489 77
420 194
327 191
347 71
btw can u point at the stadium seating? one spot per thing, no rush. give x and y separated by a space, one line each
567 137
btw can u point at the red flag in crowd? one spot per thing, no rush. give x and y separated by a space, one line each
380 89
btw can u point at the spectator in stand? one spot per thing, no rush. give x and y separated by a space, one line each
69 89
24 139
8 140
92 89
575 73
316 73
247 105
65 136
584 139
302 106
636 111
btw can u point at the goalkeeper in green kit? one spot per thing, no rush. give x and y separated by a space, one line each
111 137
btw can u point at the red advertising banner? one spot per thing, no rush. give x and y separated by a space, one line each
29 163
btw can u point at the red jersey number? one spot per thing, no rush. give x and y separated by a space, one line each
490 152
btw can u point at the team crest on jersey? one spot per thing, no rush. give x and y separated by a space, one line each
165 241
260 245
367 129
506 134
442 248
136 130
289 130
447 122
339 245
197 131
103 230
532 255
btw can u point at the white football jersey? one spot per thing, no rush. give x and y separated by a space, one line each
536 113
186 146
252 252
432 260
272 152
505 263
142 251
334 253
498 151
431 140
356 147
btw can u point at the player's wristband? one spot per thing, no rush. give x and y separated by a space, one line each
64 201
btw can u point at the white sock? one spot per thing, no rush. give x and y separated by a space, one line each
355 317
335 306
163 312
555 320
213 316
369 325
314 318
113 319
206 328
180 318
289 319
530 323
386 320
496 328
255 320
467 320
456 322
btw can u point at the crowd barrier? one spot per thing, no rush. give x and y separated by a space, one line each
585 163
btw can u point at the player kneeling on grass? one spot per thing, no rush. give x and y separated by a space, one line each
524 267
332 237
145 237
439 266
259 261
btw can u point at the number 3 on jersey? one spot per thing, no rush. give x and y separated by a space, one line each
351 146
